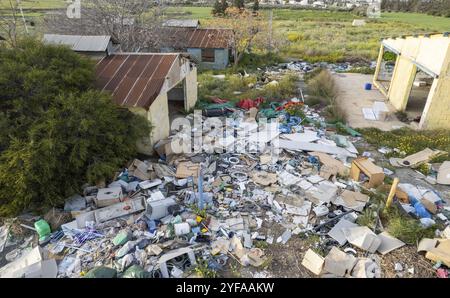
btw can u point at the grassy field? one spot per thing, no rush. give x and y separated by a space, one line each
309 35
329 35
36 4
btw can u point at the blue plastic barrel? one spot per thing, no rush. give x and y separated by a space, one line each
368 86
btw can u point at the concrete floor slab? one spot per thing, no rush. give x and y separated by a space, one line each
352 97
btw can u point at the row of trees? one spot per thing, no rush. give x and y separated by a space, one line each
56 131
220 6
433 7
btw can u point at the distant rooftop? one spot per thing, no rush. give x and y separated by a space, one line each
182 23
197 38
80 43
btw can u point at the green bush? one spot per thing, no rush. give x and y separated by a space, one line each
252 61
409 230
389 56
59 133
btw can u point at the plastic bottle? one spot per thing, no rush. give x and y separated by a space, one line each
42 228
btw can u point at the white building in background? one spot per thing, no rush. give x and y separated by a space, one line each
299 2
319 4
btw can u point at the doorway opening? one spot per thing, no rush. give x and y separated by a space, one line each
386 71
418 95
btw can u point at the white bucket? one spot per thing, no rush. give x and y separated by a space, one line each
182 228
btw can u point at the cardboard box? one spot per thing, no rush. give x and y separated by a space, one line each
139 169
108 196
364 165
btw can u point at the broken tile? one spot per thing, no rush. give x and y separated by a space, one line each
362 237
338 262
336 232
388 243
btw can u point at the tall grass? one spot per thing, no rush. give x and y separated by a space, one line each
322 87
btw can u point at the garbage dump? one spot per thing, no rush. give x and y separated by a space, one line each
213 202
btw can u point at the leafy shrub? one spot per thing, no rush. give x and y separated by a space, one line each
59 133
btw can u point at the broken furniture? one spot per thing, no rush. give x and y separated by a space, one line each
374 173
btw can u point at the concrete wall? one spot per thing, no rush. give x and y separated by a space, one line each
221 58
158 115
145 144
190 89
436 113
401 83
431 55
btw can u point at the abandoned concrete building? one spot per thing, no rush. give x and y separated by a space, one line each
94 46
147 84
418 82
211 48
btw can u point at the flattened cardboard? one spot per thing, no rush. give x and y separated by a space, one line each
419 158
352 200
431 207
440 253
443 176
264 178
139 169
427 244
313 262
187 169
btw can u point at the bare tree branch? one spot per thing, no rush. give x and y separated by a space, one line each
8 23
133 23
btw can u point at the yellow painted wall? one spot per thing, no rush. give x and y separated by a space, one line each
432 53
191 89
145 144
158 115
437 109
401 83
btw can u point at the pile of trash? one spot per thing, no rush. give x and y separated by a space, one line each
305 67
208 202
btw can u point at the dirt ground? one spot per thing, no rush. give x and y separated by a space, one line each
284 260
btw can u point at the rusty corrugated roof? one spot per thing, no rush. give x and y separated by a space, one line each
196 38
136 79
